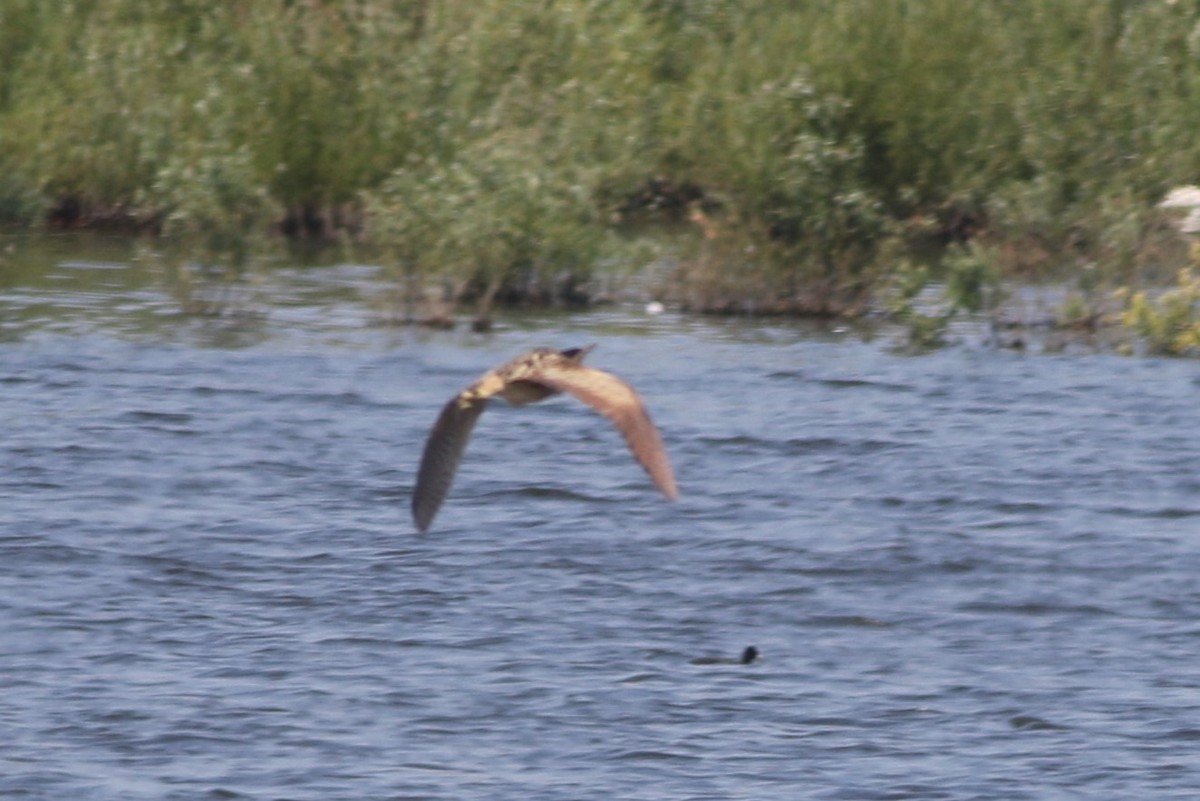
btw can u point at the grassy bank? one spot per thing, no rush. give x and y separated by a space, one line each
809 151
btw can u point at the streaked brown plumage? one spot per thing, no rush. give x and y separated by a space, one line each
529 378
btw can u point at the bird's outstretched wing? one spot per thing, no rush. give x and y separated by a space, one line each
617 401
443 451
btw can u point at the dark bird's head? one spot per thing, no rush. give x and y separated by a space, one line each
749 655
576 354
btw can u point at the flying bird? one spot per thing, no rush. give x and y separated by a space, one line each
529 378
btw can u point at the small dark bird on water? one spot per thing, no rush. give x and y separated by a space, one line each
529 378
750 654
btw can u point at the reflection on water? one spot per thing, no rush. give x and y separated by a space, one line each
970 574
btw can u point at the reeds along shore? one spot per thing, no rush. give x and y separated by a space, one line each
806 151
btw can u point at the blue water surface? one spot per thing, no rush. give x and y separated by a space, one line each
972 574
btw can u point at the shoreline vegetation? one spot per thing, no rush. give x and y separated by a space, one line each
828 158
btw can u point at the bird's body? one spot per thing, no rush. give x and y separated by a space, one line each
529 378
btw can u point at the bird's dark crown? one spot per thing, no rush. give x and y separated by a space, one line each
576 353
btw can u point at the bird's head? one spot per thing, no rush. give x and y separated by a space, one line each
576 354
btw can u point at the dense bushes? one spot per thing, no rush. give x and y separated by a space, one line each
508 143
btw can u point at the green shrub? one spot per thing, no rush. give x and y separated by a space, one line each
1169 324
821 138
969 285
498 220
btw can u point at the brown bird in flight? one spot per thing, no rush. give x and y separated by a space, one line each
529 378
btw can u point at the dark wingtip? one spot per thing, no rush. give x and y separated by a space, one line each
425 506
421 518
